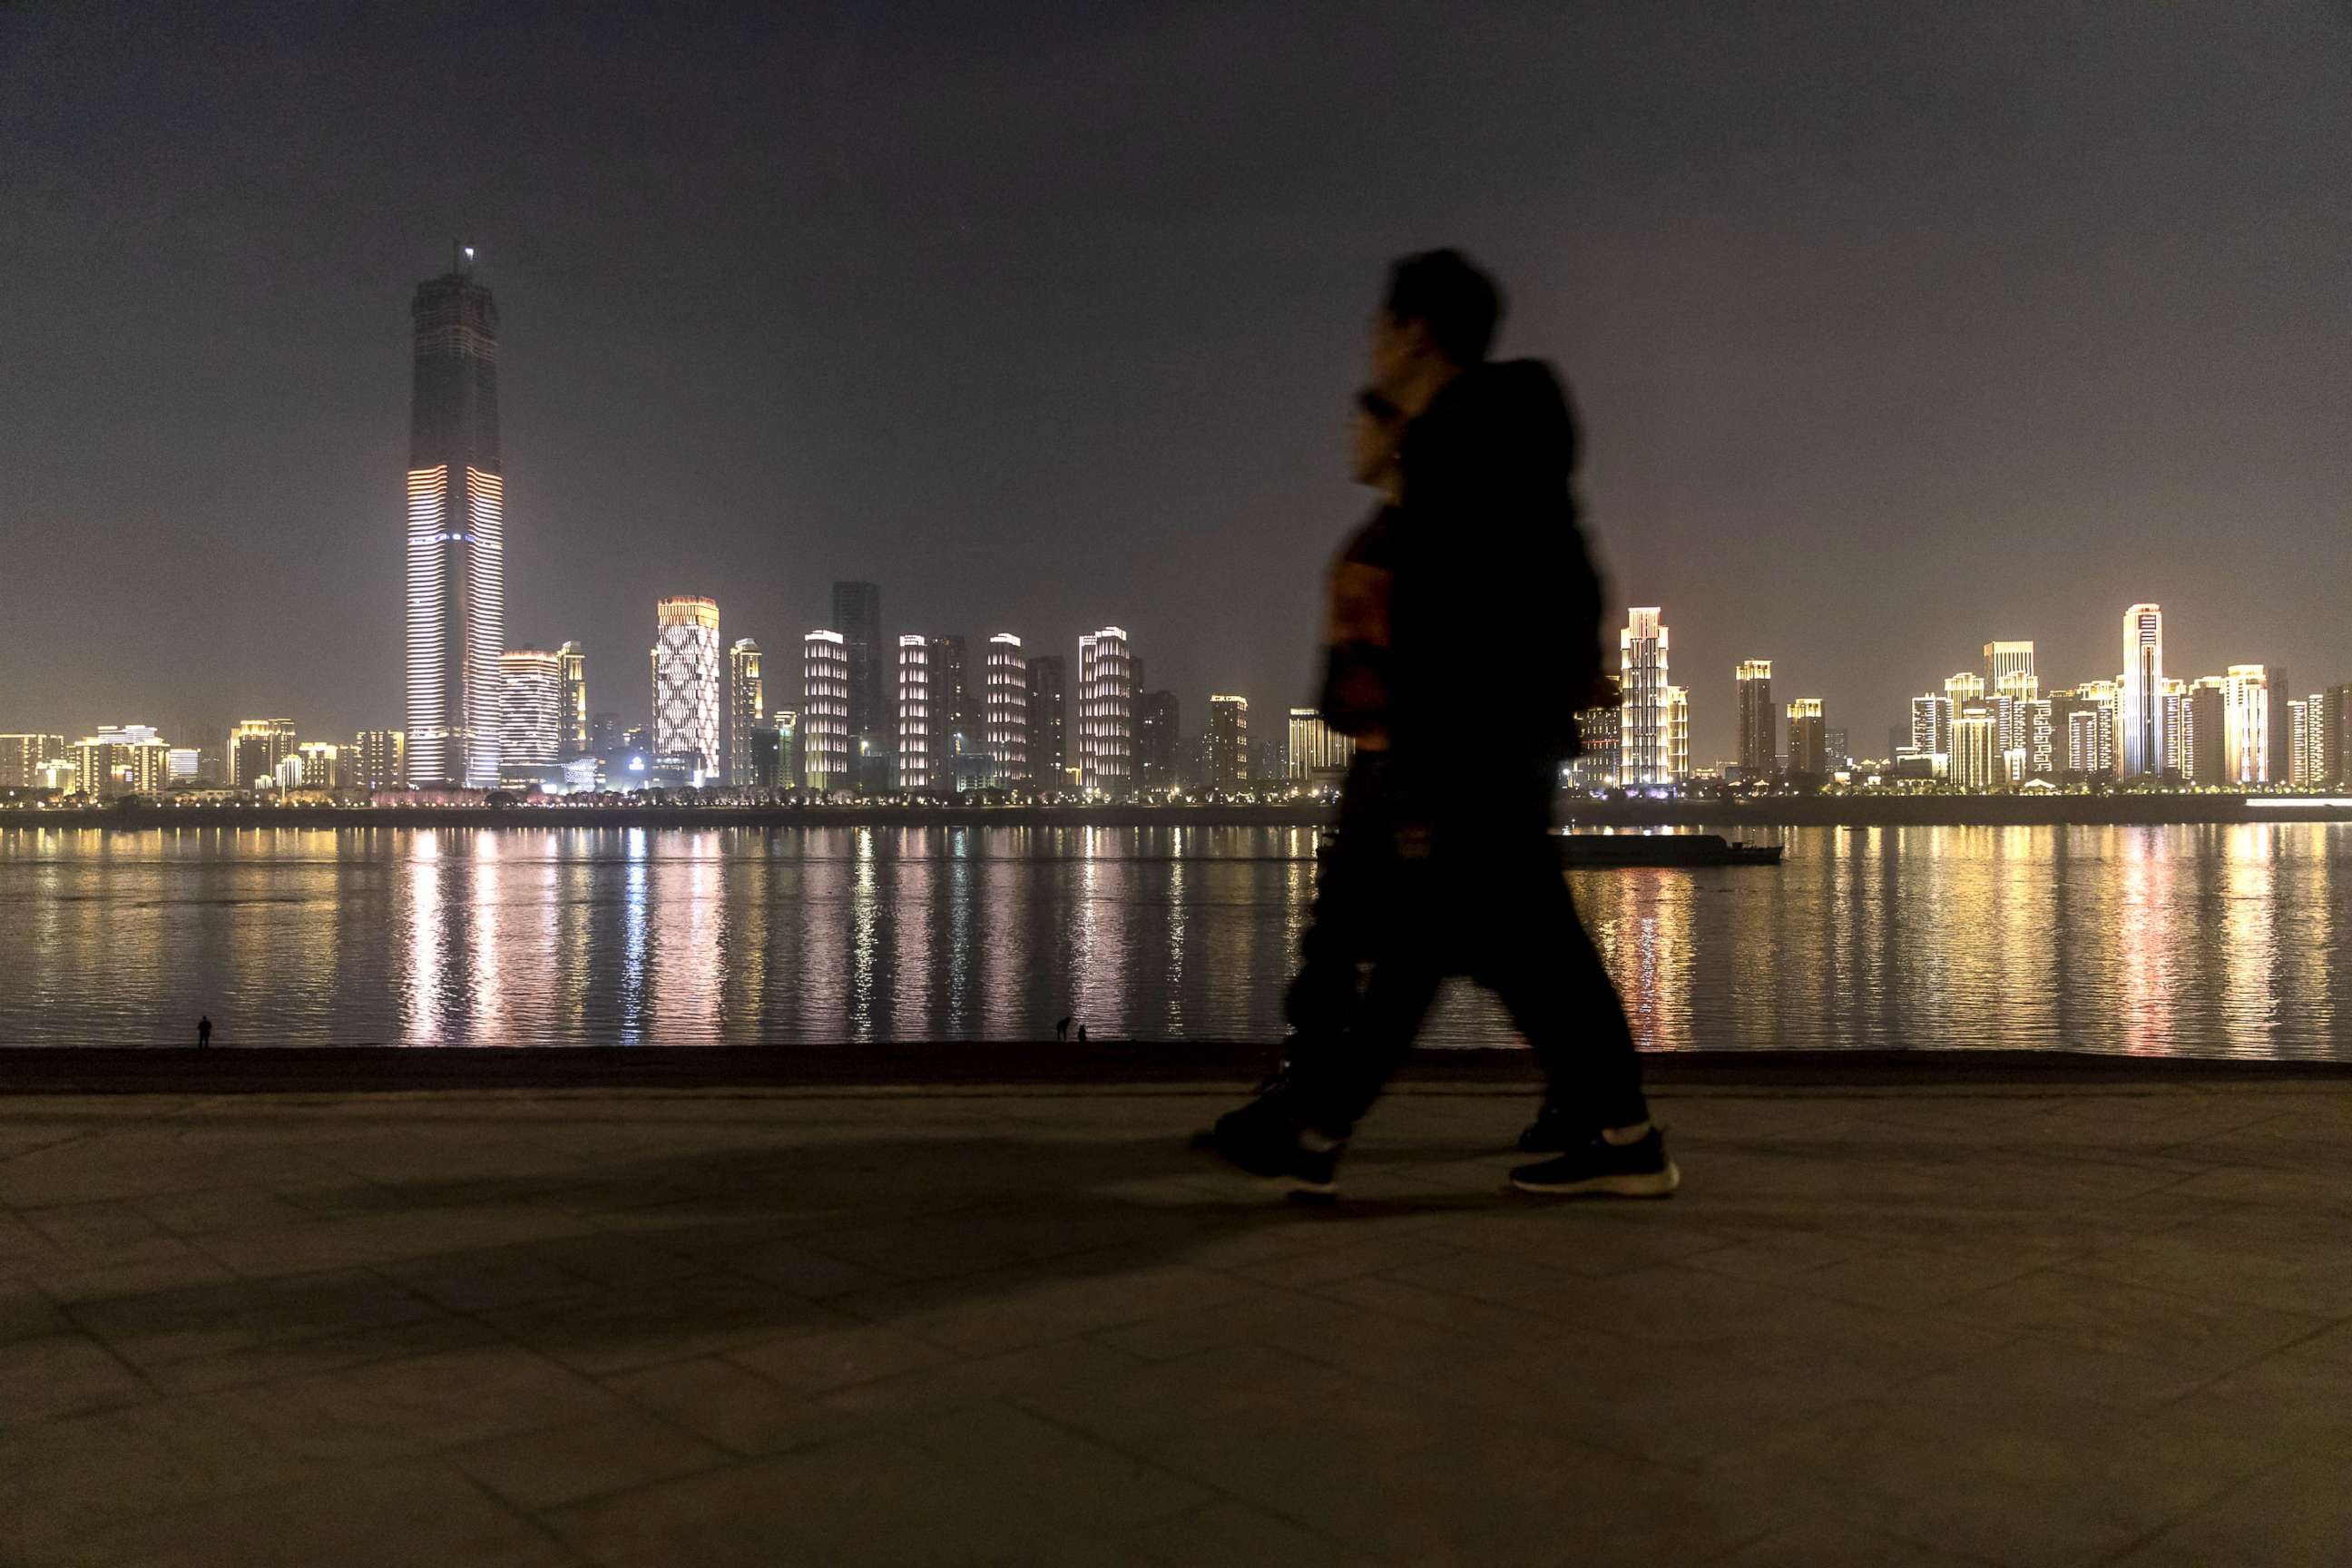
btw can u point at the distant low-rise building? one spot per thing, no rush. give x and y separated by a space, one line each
1597 733
21 758
381 759
1314 752
320 765
256 747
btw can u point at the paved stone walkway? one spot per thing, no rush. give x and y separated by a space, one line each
2056 1325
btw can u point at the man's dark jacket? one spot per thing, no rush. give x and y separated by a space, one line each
1496 609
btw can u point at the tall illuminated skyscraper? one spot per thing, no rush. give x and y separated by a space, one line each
456 535
1004 716
685 682
530 716
1642 737
827 744
1105 712
577 742
1756 736
746 700
2139 707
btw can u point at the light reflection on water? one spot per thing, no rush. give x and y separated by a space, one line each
2202 940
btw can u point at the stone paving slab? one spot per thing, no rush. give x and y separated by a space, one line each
2039 1322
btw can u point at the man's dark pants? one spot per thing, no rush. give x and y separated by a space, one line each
1478 894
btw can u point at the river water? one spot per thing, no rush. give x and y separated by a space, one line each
2209 940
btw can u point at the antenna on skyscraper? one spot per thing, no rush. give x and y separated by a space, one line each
461 257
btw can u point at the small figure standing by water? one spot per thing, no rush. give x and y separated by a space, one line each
1062 1030
1082 1033
203 1031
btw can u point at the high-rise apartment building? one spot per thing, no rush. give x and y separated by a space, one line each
2037 736
1976 756
2174 718
1106 714
21 757
122 759
1313 751
1229 766
530 717
2207 757
323 765
918 732
2246 724
256 747
1809 739
1159 743
2009 677
2302 742
2336 735
826 742
1049 721
1004 711
2274 680
1597 732
747 700
579 738
456 535
1678 760
1931 725
1758 744
785 725
1965 687
685 684
857 616
1644 739
2140 702
383 759
2009 666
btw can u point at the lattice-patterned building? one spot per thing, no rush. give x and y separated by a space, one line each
686 683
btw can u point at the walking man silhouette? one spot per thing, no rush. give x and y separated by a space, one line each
1062 1030
1494 632
203 1031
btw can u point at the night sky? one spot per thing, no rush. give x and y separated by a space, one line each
1896 327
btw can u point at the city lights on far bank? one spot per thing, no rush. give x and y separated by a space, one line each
1989 730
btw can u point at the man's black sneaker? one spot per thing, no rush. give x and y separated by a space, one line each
1264 1138
1598 1168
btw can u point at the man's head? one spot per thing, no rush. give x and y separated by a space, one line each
1437 319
